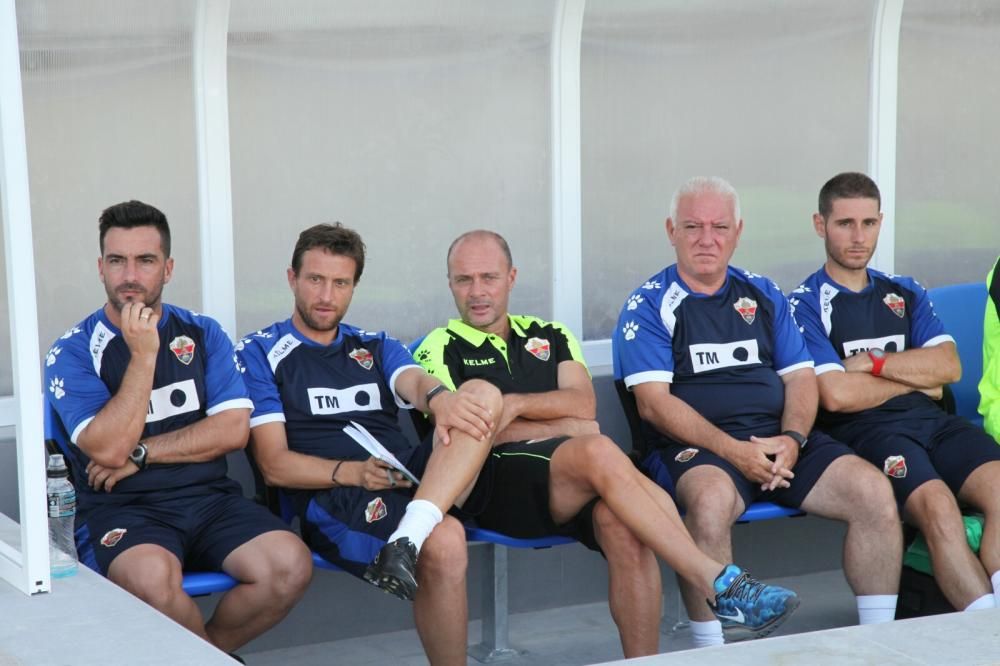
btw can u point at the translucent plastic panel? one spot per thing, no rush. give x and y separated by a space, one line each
947 221
6 370
773 96
109 117
9 503
410 122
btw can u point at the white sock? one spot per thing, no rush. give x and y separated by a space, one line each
876 608
995 579
706 633
985 601
420 518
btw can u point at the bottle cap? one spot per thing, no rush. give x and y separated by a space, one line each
57 465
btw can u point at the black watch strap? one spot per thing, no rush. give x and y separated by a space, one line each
440 388
797 436
138 455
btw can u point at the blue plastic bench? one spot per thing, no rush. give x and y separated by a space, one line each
960 307
202 583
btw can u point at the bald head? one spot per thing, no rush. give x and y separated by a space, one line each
480 235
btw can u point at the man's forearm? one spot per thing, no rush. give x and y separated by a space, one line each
926 367
801 402
851 392
678 420
112 434
204 440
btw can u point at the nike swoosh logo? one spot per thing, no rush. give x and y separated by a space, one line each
739 617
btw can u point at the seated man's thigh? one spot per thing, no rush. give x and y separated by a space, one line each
222 522
109 531
904 461
815 459
702 479
512 495
959 449
348 526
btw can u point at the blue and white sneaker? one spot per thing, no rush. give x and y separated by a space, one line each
748 608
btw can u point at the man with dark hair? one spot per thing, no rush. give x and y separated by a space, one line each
552 472
989 385
727 395
882 357
145 401
316 381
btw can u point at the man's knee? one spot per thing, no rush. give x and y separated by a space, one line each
485 393
712 504
445 554
289 565
934 509
874 499
150 573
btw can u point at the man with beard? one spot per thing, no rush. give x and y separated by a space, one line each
313 379
145 401
882 356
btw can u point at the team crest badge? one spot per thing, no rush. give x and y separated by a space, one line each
895 466
686 455
364 359
895 303
183 348
747 307
539 348
375 510
112 537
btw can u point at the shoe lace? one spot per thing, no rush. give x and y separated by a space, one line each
744 587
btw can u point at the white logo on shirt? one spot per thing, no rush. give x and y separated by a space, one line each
70 333
281 348
892 343
172 400
651 284
50 359
633 302
99 341
629 330
711 356
358 398
56 387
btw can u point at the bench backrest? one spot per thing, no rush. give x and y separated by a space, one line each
960 307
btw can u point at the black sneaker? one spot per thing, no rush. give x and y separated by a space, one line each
393 569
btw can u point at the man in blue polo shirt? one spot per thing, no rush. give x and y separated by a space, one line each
882 356
145 400
727 394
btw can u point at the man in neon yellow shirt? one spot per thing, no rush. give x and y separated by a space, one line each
989 385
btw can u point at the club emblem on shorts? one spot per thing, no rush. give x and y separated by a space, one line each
539 348
375 510
112 537
686 455
364 359
895 466
895 303
183 348
747 307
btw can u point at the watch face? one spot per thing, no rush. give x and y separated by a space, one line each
877 353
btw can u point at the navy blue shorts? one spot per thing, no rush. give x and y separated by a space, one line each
201 529
668 464
950 451
349 525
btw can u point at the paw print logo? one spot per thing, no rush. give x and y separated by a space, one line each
802 289
239 366
56 388
751 274
70 333
50 358
652 284
633 301
629 330
424 356
263 334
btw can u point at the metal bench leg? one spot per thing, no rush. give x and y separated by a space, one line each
494 645
675 617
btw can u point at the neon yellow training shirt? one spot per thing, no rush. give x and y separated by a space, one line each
989 385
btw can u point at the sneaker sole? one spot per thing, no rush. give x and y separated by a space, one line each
738 634
391 584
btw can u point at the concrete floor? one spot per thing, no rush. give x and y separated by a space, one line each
567 636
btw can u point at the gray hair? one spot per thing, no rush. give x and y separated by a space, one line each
706 184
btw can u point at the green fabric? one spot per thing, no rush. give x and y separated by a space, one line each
918 557
989 385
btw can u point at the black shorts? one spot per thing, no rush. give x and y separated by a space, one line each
668 464
951 451
349 525
512 495
201 529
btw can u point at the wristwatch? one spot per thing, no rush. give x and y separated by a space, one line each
878 357
797 436
440 388
138 456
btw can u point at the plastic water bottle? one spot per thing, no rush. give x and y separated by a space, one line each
62 515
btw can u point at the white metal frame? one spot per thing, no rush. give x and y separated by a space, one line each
215 190
882 116
26 569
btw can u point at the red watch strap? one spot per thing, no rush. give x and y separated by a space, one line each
878 360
